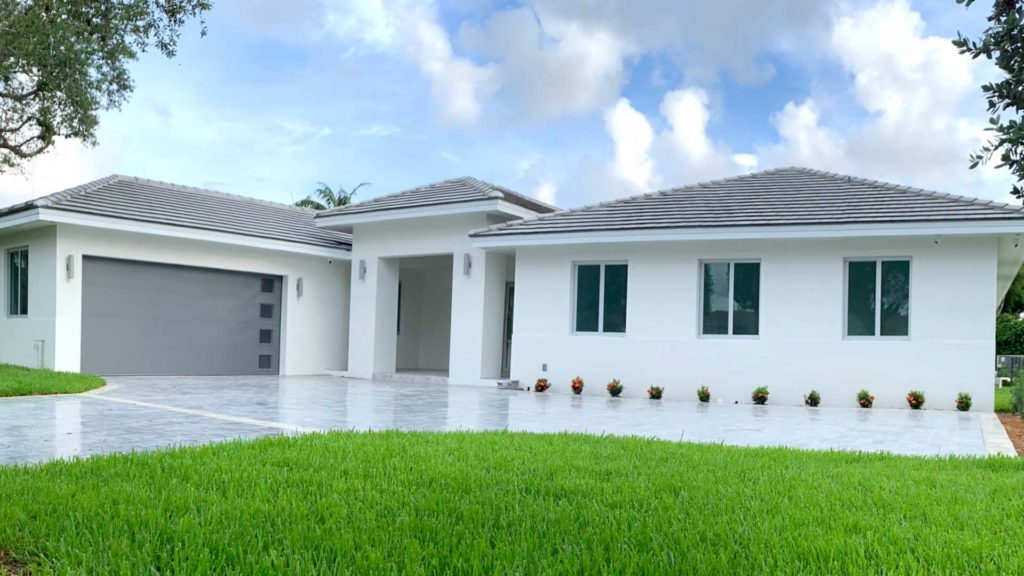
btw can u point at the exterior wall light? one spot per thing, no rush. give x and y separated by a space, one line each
362 269
467 264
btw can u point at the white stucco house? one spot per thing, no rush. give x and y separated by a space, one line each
791 278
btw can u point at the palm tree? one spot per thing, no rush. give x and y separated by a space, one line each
324 198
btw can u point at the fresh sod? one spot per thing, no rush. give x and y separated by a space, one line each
20 381
501 503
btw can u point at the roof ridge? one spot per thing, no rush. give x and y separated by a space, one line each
508 191
962 199
710 184
393 194
209 192
624 199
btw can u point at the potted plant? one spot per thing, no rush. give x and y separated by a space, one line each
655 392
760 395
915 398
615 388
812 399
963 401
703 394
541 385
865 399
577 385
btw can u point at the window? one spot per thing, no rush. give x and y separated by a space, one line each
17 282
266 361
730 298
267 285
878 297
266 310
600 298
266 336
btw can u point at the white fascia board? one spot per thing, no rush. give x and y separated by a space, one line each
344 222
20 219
106 223
755 233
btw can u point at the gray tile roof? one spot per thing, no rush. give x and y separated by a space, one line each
142 200
454 191
785 196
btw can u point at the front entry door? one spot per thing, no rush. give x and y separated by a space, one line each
506 342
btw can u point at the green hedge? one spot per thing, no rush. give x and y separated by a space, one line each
1009 334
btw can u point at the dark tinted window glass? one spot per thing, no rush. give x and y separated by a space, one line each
716 298
615 280
860 298
267 285
17 283
588 294
23 284
266 336
266 310
265 361
13 276
895 298
746 295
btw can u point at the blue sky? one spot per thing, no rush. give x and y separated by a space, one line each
573 102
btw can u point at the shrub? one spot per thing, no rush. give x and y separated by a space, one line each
813 398
703 394
1009 334
577 385
759 395
655 392
915 398
1018 395
963 401
541 385
615 387
865 399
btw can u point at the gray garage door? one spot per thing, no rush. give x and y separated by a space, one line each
146 318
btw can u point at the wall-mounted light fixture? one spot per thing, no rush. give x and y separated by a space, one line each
1016 241
467 264
298 287
69 266
362 269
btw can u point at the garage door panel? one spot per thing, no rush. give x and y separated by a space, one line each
150 318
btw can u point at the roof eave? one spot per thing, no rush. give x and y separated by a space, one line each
56 216
484 239
344 222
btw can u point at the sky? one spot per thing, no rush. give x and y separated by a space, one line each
572 102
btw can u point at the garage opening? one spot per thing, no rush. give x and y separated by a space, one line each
424 315
146 318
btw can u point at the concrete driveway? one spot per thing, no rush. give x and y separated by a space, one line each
146 413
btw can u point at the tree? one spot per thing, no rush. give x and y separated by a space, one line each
64 61
1013 302
1003 43
324 198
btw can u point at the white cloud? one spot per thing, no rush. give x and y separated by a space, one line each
803 140
633 137
546 192
378 130
560 69
411 29
68 163
924 110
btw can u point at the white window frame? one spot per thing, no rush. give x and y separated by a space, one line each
878 295
7 280
732 281
600 297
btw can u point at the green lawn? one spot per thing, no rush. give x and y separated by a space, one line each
500 503
1004 399
19 381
